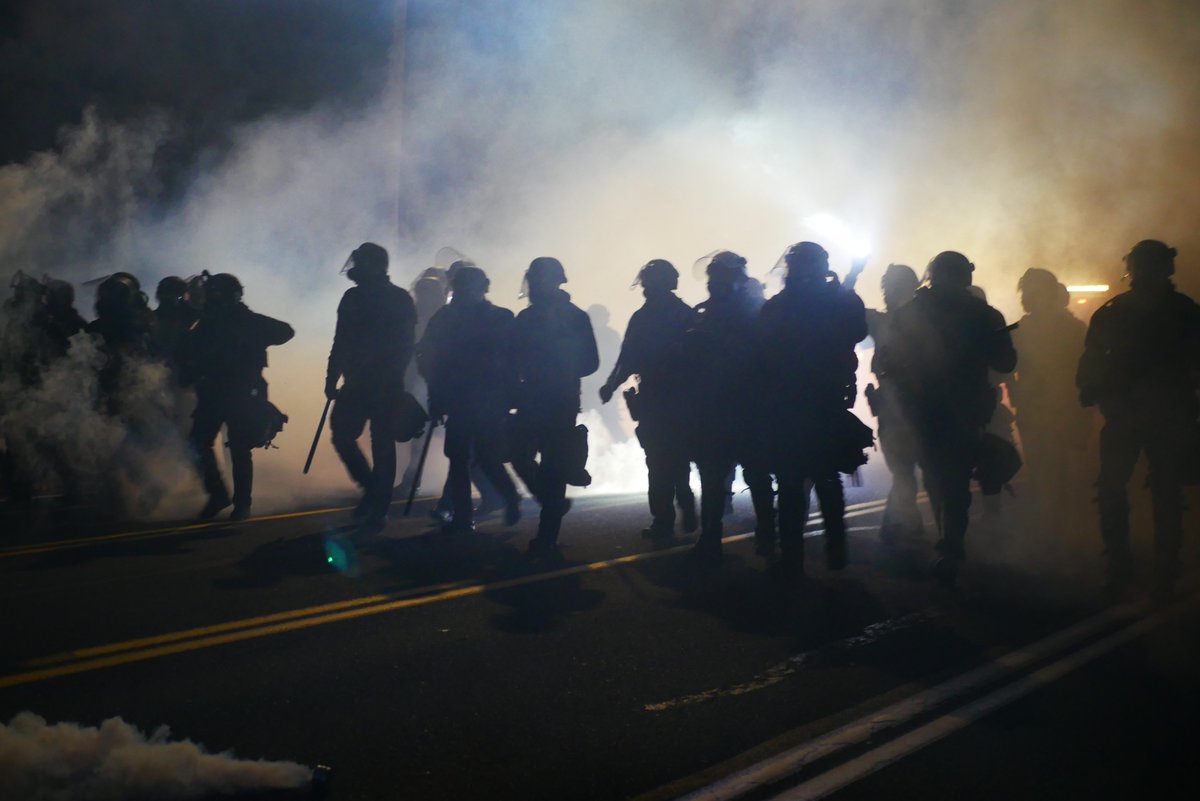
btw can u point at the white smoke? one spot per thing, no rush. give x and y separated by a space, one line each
71 762
61 430
610 134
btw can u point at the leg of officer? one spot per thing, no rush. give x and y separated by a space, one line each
1119 449
346 423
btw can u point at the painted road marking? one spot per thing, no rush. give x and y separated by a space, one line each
602 502
778 768
88 659
878 758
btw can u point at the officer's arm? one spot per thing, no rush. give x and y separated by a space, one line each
333 370
622 370
1002 356
589 354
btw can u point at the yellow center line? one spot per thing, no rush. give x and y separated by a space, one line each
94 658
84 542
22 550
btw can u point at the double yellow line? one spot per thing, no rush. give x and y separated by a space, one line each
138 650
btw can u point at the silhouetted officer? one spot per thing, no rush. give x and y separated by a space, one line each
806 339
1054 430
553 348
942 345
466 357
226 352
756 469
372 346
1139 365
173 318
653 350
896 437
718 354
125 326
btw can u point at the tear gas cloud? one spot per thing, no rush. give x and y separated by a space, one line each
1020 133
61 761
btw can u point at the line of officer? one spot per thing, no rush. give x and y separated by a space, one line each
653 350
1139 366
372 346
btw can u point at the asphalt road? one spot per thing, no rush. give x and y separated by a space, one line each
421 667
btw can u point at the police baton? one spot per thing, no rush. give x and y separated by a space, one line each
416 485
317 437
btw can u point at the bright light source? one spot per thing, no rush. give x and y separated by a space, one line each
1082 300
838 234
1091 289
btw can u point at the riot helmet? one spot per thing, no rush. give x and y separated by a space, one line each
469 284
1038 289
949 268
804 262
60 295
118 295
657 275
1150 261
367 262
171 291
899 284
545 274
222 291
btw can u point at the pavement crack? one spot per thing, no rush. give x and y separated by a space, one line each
793 664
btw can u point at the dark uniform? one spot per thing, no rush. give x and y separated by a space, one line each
653 350
806 337
897 440
1139 365
125 326
942 346
1054 430
372 347
718 351
553 348
466 358
173 318
226 352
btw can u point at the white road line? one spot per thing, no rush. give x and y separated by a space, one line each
864 765
865 729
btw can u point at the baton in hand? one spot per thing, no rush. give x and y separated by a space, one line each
416 485
317 436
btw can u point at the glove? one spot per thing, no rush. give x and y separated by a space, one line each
331 389
606 393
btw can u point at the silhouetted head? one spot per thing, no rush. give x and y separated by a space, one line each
368 262
1150 264
26 290
899 284
726 273
1039 290
657 275
170 291
60 295
470 285
544 276
950 269
430 291
222 292
806 263
119 295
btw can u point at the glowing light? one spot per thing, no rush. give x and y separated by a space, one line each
1090 289
839 234
1082 300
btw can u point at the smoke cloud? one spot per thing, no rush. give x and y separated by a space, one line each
1020 133
61 761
